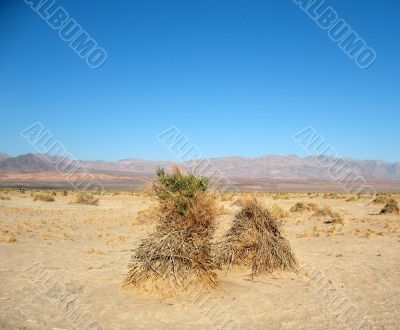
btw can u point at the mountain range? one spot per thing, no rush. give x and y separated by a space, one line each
266 167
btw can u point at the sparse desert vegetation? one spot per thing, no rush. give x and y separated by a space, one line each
86 198
178 253
96 246
391 207
381 199
304 207
43 197
255 240
328 215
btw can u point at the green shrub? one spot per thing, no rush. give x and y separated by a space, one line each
178 188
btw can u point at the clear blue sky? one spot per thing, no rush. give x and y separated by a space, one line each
237 77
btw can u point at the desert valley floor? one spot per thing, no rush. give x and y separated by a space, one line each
64 263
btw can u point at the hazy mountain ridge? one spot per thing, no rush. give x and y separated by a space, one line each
4 156
269 167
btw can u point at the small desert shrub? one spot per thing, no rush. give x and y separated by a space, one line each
381 199
178 252
86 198
178 188
278 211
65 193
5 198
54 193
329 216
352 198
255 241
280 196
43 197
334 196
304 207
391 207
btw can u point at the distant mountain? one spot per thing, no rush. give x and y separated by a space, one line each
271 167
126 165
26 163
4 156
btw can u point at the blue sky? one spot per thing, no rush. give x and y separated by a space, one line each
237 77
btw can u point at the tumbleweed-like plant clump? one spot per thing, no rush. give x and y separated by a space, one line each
255 240
391 207
381 199
43 198
328 215
178 253
304 207
86 198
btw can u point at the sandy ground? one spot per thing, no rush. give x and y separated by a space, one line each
62 266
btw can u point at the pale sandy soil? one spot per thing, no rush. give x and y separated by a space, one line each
62 264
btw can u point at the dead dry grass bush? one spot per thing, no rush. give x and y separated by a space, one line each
391 207
279 211
381 199
43 197
178 253
352 198
255 241
86 198
304 207
328 215
280 196
334 196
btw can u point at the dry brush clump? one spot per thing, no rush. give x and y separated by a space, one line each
329 216
178 253
391 207
353 198
334 196
280 195
304 207
255 241
85 198
381 199
279 211
43 197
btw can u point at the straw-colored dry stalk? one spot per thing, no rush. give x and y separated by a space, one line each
255 241
178 253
